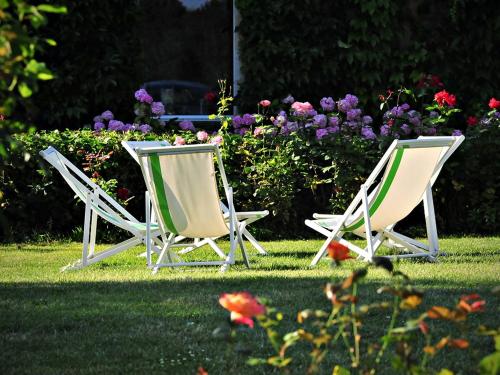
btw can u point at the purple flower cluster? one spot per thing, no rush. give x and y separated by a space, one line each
327 104
349 102
401 120
157 108
142 96
187 125
241 124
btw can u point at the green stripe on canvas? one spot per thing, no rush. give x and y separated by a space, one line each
160 193
383 191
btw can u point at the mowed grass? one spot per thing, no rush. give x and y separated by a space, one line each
115 317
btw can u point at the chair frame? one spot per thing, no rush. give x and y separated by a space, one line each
97 204
171 241
388 236
244 218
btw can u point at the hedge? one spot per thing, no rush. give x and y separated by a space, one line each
302 47
293 178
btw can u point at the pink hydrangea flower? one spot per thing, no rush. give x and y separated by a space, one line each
258 131
217 140
300 107
202 136
179 141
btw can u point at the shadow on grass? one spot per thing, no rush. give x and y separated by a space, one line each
163 326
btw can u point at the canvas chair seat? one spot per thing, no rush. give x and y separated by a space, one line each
244 218
182 187
410 169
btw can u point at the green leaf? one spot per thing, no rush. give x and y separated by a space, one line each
51 42
490 365
47 8
341 44
45 76
339 370
24 90
445 371
256 361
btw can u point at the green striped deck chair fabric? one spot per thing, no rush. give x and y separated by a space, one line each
411 167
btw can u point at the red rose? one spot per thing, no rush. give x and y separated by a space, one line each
443 97
436 81
210 96
123 193
472 120
494 104
337 251
243 307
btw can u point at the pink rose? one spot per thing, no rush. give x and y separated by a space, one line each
265 103
217 140
300 107
179 141
202 136
258 131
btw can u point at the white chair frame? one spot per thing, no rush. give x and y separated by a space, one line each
97 204
171 240
388 236
244 218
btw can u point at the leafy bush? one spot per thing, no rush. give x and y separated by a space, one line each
366 46
294 163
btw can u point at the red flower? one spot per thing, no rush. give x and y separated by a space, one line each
472 120
123 193
424 328
390 122
265 103
435 81
210 96
494 104
243 307
477 304
201 371
443 97
2 117
337 251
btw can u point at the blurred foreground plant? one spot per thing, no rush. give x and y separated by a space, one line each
408 341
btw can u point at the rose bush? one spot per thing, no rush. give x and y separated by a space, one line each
293 159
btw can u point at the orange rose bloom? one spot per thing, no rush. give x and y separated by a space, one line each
337 251
243 307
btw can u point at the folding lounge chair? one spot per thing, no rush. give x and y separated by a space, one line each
182 187
98 204
244 218
412 167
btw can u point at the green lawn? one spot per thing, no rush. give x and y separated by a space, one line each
115 317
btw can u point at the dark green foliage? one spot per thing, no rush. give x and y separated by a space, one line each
309 48
98 63
289 176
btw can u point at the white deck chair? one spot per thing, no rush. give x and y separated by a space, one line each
182 186
98 204
244 218
412 167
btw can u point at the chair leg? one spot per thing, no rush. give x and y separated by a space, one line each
430 222
86 230
253 241
368 227
242 247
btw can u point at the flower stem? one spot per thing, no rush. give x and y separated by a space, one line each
355 327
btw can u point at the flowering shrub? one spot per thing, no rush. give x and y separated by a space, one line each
288 157
147 116
411 341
